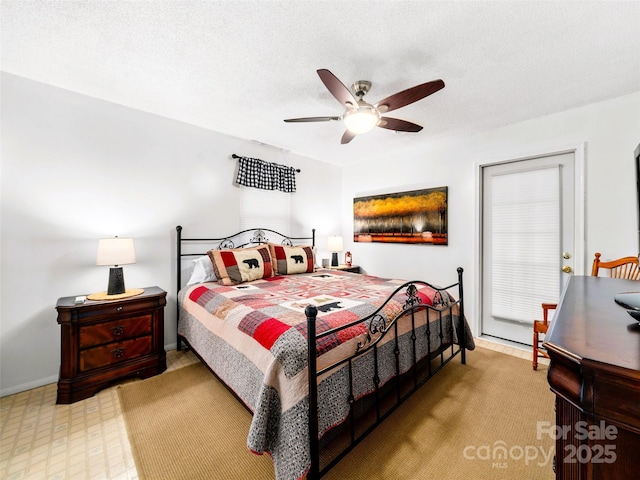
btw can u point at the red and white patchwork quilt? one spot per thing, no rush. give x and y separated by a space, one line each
254 336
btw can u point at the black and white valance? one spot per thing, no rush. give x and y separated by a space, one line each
253 172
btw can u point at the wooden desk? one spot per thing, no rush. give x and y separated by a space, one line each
594 370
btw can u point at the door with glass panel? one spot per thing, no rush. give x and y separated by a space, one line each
528 229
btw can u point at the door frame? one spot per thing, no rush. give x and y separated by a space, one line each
578 151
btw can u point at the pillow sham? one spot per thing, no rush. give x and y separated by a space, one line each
202 271
240 265
292 260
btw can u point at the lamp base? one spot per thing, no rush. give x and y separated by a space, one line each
334 259
116 281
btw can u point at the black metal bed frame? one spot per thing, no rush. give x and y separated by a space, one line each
403 385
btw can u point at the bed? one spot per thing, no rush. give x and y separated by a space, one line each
318 356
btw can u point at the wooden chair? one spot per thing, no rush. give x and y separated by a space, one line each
625 267
541 327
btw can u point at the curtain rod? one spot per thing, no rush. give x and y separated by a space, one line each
233 155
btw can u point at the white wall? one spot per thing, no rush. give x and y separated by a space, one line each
75 169
611 132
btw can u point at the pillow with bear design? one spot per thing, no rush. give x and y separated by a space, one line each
291 260
240 265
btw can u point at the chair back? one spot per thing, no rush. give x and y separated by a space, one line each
625 267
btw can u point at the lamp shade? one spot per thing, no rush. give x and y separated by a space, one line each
362 119
334 244
116 251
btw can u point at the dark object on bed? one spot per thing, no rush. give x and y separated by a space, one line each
399 343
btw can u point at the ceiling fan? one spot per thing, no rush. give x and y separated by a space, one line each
360 116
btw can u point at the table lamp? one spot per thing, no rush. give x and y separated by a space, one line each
116 251
334 245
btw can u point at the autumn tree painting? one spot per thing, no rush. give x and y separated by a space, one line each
418 216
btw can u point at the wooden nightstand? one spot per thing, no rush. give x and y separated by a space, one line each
345 268
105 341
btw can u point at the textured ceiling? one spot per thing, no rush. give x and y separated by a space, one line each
241 67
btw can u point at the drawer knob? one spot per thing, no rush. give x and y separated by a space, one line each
118 309
118 353
117 331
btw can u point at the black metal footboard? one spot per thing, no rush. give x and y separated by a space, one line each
425 360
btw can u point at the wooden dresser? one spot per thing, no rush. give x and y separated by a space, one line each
104 341
594 371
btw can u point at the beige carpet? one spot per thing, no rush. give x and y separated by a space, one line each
185 425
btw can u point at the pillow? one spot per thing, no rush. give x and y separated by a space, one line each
291 260
240 265
202 271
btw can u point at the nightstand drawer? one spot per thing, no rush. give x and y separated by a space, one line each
102 311
114 352
116 330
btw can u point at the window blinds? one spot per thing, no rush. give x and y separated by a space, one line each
525 242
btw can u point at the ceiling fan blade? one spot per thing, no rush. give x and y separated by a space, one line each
398 125
311 119
337 88
408 96
347 137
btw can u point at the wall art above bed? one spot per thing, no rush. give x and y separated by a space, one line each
416 216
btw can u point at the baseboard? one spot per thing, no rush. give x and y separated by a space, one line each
507 343
28 386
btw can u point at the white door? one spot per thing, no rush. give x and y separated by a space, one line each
528 230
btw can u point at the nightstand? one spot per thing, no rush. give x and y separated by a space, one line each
345 268
106 341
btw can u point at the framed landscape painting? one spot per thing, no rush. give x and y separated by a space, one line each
417 216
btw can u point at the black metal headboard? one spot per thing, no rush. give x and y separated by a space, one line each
245 238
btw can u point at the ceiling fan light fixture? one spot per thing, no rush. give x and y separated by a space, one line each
360 116
362 119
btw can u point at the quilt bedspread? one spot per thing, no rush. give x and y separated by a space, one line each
254 336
